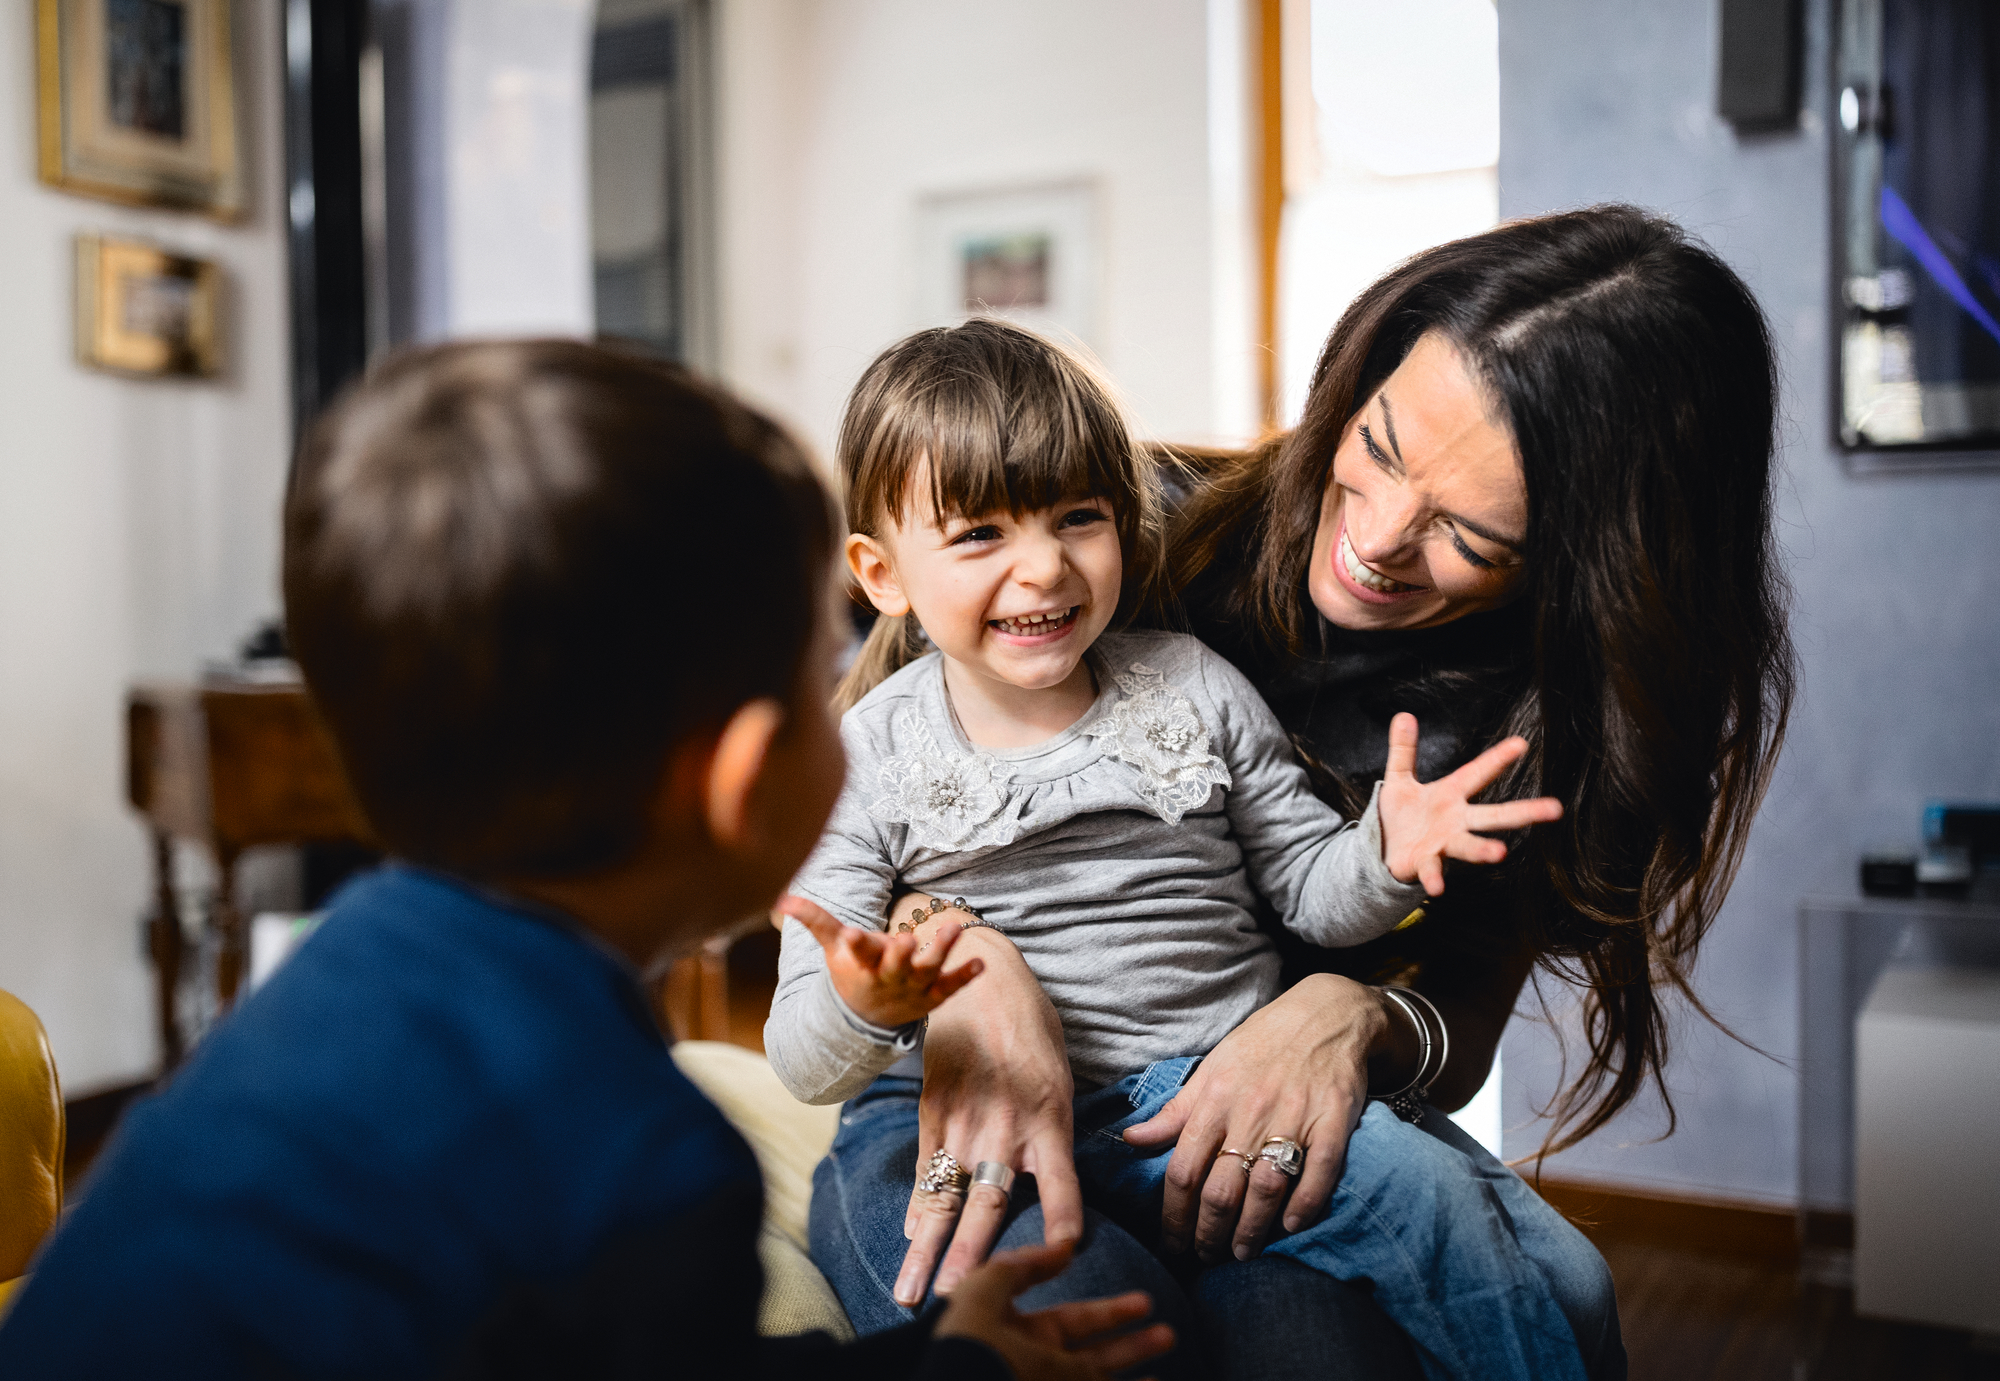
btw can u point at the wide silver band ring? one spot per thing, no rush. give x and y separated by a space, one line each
996 1174
944 1175
1285 1156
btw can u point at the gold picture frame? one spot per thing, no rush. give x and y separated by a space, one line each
142 310
138 103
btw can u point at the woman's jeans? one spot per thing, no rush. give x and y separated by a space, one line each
1485 1279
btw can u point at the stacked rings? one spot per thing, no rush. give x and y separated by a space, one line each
944 1175
1286 1156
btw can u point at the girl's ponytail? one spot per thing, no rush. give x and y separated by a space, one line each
892 644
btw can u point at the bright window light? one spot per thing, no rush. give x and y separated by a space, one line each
1407 86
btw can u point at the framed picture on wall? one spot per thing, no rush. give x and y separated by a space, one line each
138 103
1027 254
142 310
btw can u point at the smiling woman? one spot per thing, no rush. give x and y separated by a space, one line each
1530 493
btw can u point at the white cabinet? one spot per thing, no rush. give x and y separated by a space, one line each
1927 1148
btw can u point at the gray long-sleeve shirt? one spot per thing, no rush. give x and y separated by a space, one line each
1122 857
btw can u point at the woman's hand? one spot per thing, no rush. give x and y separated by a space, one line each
1299 1068
1064 1342
996 1087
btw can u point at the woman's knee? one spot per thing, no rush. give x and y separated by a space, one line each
1271 1318
1580 1279
1399 1168
1110 1261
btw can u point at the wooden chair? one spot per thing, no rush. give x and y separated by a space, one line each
32 1132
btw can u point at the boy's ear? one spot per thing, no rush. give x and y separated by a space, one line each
734 769
870 564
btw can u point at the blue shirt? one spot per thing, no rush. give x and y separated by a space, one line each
446 1138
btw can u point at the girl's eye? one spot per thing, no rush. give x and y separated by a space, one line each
988 533
1082 517
1468 553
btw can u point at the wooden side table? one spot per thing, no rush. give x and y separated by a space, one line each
227 766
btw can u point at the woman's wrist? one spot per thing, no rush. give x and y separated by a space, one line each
1396 1051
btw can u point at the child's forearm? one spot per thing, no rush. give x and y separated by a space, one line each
1349 897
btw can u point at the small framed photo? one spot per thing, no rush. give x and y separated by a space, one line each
138 103
1028 254
141 310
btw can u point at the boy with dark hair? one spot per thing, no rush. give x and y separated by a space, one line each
567 615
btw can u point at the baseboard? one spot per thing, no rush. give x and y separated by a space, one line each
1719 1227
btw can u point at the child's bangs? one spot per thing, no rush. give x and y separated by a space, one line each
973 458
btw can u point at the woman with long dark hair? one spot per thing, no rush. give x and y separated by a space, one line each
1530 494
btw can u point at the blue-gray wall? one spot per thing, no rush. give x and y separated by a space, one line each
1898 579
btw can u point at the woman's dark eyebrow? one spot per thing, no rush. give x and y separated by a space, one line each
1389 425
1476 530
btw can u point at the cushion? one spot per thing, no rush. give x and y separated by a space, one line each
789 1138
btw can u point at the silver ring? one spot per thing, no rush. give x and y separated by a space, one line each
944 1175
996 1174
1286 1156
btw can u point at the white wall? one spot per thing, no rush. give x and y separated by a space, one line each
1897 578
837 115
138 535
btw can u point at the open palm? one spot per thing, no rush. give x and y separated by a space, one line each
1424 823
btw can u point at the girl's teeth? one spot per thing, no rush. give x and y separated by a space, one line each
1031 623
1362 576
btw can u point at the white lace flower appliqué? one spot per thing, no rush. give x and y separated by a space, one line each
1155 729
950 801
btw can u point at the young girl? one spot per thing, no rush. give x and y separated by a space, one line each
1118 803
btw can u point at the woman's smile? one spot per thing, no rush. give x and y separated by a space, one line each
1364 581
1037 629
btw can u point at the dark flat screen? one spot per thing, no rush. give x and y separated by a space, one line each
1920 118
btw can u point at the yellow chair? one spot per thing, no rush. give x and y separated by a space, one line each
32 1130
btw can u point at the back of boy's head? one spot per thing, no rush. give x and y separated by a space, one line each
517 573
996 419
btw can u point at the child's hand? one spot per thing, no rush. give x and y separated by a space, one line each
884 979
1423 823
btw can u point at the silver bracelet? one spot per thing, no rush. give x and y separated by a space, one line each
1423 1035
1408 1101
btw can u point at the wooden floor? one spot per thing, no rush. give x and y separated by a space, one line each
1692 1314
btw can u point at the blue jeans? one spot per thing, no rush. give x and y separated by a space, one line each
1482 1278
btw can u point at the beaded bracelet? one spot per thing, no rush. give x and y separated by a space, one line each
919 914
